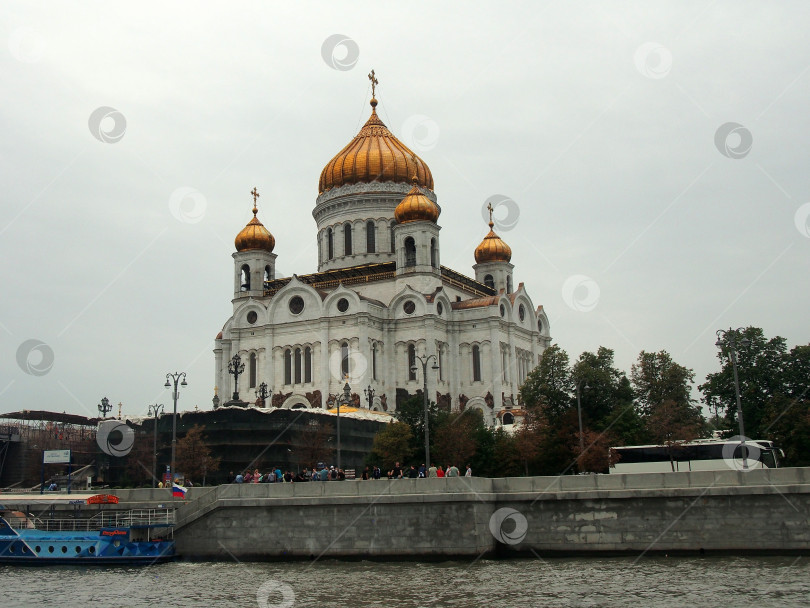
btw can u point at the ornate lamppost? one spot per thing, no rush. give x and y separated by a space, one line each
236 368
155 410
424 361
369 392
174 378
728 340
262 393
105 407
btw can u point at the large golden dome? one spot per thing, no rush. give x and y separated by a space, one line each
492 248
374 155
254 235
416 207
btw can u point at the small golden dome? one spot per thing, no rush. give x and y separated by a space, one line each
492 248
416 207
254 235
374 155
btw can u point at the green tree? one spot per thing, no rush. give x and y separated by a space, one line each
454 441
392 444
657 378
549 384
412 413
608 392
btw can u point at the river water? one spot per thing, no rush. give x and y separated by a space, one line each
651 582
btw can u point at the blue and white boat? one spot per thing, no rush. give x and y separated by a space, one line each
141 536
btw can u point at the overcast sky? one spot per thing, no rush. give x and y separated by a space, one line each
646 221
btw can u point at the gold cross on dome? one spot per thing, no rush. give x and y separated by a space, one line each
489 206
374 82
255 194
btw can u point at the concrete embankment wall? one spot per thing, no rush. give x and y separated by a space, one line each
723 511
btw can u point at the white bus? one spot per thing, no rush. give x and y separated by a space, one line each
699 455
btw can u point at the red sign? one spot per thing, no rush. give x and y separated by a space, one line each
102 499
113 532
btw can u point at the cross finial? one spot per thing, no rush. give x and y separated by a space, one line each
255 194
491 223
374 83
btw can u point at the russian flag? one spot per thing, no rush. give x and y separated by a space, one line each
179 491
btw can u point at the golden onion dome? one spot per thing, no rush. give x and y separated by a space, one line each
254 235
416 207
492 248
374 155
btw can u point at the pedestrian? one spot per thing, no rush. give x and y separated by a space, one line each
365 474
469 472
422 471
432 472
440 472
239 478
397 471
413 473
230 477
377 472
452 471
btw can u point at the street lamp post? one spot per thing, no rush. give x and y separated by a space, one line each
579 415
729 339
369 392
104 407
424 361
175 378
155 410
236 368
262 393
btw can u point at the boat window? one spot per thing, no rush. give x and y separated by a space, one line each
91 550
50 549
64 549
78 549
38 548
24 548
11 549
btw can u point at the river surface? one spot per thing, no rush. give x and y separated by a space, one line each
651 582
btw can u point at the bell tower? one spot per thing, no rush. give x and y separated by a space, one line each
254 260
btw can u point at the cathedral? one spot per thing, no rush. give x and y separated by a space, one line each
381 312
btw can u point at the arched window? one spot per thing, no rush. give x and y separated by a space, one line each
476 363
411 362
245 278
505 366
307 364
410 252
344 359
288 366
433 253
298 366
440 371
374 361
330 244
508 418
371 237
509 283
267 274
252 370
393 241
347 239
489 281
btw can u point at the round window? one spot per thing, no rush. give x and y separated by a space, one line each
503 310
439 308
91 550
64 549
343 305
522 313
252 316
409 307
296 305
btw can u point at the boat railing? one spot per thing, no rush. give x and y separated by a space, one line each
105 519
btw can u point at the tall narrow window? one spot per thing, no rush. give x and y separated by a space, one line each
267 274
433 253
439 363
411 362
374 361
505 366
330 244
344 359
476 363
489 281
298 366
252 372
288 366
393 241
245 278
410 252
347 239
509 283
371 237
307 364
